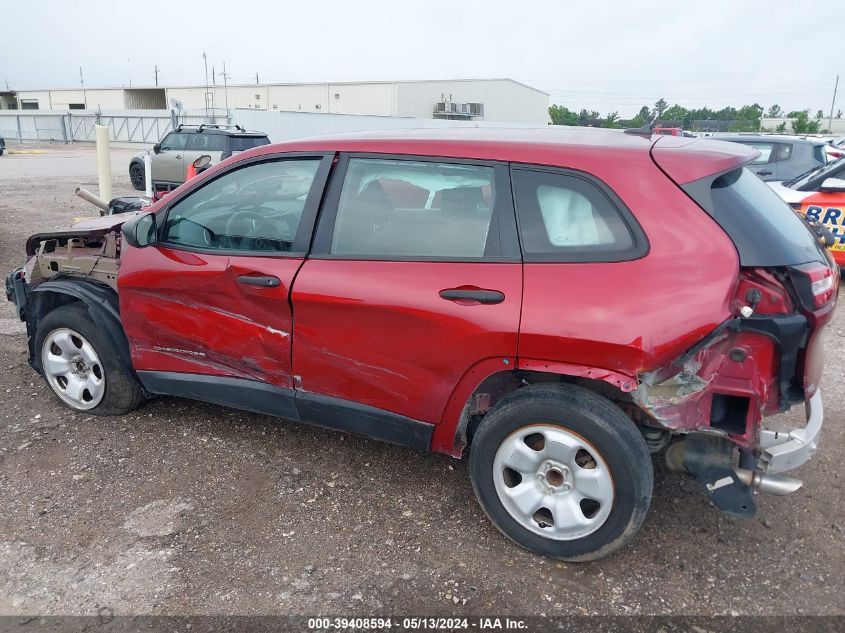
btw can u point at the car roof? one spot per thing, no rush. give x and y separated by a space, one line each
588 149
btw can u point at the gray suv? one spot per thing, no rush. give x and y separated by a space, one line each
781 157
181 147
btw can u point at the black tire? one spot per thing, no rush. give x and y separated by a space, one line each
136 176
592 417
123 393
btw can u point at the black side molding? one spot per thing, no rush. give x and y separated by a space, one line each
302 406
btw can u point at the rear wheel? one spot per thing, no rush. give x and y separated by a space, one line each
562 471
136 176
79 365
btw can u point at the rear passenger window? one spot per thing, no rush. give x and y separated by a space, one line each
564 217
410 209
765 150
785 151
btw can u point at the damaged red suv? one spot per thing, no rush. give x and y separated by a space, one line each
560 304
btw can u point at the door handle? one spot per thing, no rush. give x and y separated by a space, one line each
487 297
265 282
178 156
764 172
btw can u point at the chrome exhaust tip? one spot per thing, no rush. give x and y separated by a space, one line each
773 484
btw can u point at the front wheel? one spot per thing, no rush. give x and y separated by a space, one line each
562 471
136 176
80 367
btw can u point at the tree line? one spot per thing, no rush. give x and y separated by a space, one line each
745 119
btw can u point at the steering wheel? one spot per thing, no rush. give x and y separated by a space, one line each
245 223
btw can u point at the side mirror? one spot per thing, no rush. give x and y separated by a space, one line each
833 185
140 231
156 148
202 163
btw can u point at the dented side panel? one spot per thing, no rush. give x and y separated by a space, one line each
187 312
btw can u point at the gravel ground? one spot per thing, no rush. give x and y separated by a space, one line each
187 508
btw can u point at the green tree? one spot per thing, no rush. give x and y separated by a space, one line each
780 128
775 112
819 114
675 113
839 114
642 117
660 107
612 120
802 124
561 115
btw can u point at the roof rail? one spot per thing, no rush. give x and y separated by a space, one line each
217 126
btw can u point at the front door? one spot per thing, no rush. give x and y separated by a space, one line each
414 279
211 297
168 166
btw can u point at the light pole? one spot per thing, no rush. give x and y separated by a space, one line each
205 61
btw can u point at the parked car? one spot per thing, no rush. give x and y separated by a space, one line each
820 196
520 294
782 157
184 145
2 145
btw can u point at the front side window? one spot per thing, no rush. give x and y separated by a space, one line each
409 209
564 217
254 208
174 142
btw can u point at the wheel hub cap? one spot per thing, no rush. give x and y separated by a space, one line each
553 482
72 369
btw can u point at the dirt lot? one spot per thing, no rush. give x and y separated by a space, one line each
186 508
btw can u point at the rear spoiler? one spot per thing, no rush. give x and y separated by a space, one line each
686 159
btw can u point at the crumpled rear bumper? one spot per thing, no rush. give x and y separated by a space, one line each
788 449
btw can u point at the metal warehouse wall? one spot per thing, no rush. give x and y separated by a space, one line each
283 126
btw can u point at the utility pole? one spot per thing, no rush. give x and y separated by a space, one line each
205 61
256 79
832 103
213 77
82 83
226 88
156 74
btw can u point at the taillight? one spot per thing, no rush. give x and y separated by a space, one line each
815 283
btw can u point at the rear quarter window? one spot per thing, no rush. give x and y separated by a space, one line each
564 217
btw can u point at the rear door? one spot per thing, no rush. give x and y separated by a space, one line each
211 297
766 164
168 166
415 278
210 144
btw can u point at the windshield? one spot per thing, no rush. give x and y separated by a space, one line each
764 229
821 171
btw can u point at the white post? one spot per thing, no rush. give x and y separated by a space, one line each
148 175
103 162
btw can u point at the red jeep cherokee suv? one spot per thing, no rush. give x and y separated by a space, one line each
562 303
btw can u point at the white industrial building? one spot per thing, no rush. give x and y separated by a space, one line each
499 100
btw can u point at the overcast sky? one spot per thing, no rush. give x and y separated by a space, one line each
610 55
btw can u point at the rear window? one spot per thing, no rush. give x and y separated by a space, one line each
241 143
764 229
564 217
